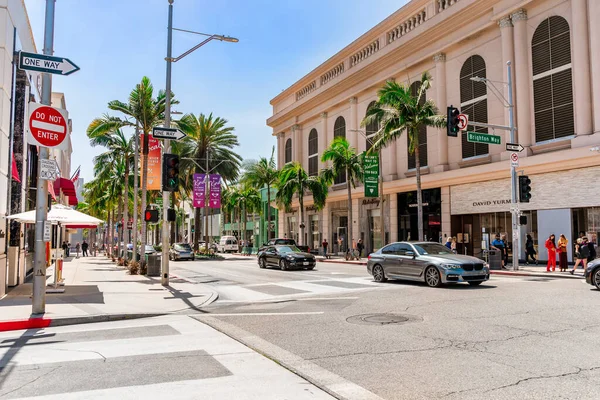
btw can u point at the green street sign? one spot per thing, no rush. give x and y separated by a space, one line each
475 137
371 175
159 201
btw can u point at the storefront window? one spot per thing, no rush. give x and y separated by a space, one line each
375 229
314 228
407 215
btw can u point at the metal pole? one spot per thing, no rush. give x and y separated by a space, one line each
164 280
513 175
206 201
135 189
41 208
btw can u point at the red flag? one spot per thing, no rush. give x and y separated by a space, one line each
76 175
15 173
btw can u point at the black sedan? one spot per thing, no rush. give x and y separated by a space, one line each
285 257
592 273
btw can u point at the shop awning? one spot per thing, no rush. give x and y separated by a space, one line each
67 187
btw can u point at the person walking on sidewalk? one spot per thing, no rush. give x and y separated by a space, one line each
360 247
77 248
592 248
551 247
325 245
449 242
64 247
529 250
577 255
562 253
84 248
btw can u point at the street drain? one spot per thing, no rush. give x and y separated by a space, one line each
381 319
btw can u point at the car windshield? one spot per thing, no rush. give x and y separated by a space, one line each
431 249
183 246
288 249
149 248
285 241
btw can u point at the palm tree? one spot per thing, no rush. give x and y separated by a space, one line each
119 149
346 161
397 110
248 200
295 181
142 107
209 138
260 174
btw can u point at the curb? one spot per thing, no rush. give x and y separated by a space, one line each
362 263
536 274
33 323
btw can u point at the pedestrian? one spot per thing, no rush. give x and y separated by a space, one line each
529 250
77 248
64 247
84 248
449 242
453 244
250 246
360 246
340 242
562 253
498 243
551 247
505 250
68 249
577 257
592 249
325 245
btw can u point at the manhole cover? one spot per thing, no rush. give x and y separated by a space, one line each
381 319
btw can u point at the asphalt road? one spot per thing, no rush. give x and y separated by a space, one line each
511 338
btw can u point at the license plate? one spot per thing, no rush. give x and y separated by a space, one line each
305 263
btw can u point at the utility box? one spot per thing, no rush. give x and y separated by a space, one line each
153 261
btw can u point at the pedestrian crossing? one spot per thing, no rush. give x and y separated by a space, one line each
173 357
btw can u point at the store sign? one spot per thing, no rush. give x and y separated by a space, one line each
311 208
371 175
366 202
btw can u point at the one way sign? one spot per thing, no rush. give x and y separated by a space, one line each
49 64
167 133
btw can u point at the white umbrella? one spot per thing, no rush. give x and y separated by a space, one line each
62 214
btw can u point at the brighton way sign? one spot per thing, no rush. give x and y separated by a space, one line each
485 138
49 64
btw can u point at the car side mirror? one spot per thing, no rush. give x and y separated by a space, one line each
410 254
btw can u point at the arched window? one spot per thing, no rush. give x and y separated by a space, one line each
288 151
552 80
339 130
313 153
371 129
414 90
473 102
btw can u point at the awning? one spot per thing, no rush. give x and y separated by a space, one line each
67 187
66 216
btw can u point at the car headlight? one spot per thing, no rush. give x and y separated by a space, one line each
451 266
486 265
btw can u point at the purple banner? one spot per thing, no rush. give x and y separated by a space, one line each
215 191
199 192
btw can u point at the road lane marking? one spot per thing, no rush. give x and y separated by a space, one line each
267 314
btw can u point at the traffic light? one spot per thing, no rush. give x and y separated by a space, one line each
171 215
524 189
170 172
452 122
522 219
151 216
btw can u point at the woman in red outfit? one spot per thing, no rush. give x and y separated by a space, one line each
551 246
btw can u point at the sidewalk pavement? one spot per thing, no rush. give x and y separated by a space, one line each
96 289
524 270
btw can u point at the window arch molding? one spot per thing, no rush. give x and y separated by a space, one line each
288 151
473 102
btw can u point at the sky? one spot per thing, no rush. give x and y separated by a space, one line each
117 42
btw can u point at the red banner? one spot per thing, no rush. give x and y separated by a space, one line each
154 164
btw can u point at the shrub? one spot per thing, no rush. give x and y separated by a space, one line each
143 268
134 268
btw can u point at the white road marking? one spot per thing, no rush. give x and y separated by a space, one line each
327 298
267 314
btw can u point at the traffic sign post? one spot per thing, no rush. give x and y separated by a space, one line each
514 160
475 137
514 147
47 126
48 64
167 133
48 170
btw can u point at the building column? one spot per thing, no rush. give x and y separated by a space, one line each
594 15
581 67
441 103
524 79
353 123
297 144
508 54
392 199
280 150
326 224
389 159
446 216
355 221
323 138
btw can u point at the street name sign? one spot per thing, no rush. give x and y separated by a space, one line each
514 147
371 175
167 133
47 126
49 64
48 170
485 138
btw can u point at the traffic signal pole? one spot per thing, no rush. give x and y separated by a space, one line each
513 175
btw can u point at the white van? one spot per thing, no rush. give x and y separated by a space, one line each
228 244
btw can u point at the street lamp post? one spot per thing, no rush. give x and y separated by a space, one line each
169 59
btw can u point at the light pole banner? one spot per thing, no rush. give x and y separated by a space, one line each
215 191
371 175
199 193
154 164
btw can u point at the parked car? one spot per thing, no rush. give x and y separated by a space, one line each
228 244
427 262
150 250
285 257
181 251
592 273
202 246
284 241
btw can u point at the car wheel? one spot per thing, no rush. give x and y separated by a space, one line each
379 273
262 262
283 265
432 277
476 283
596 278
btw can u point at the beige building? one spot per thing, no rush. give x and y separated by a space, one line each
554 48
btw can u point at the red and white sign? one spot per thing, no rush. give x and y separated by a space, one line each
463 121
47 126
514 159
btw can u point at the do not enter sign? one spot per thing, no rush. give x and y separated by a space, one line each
48 126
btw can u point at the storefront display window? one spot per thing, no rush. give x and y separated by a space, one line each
375 229
407 215
314 229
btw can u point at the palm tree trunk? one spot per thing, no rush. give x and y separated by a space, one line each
119 231
197 231
419 197
144 191
301 215
244 218
126 209
350 227
268 213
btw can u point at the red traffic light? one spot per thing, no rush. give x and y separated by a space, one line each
151 216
